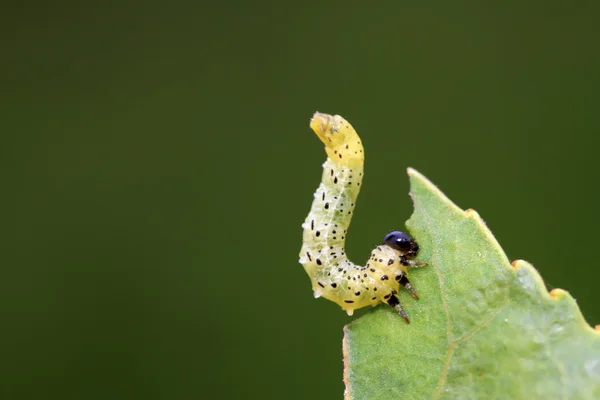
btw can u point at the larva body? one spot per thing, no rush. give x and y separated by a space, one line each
323 255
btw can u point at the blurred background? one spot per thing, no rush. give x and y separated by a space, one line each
156 165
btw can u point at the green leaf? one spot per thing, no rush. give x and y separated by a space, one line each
483 328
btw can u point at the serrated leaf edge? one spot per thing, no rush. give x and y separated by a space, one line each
554 294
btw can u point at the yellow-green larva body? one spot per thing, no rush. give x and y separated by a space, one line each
323 255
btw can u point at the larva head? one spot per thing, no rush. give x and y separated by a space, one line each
342 143
402 242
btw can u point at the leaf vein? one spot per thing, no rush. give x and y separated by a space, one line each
435 256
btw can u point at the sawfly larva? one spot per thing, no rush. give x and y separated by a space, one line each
323 254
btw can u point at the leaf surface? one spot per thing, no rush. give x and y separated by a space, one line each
483 329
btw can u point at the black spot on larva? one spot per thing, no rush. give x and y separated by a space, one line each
326 206
365 275
331 172
340 155
333 231
387 296
334 285
323 197
390 262
348 301
312 225
318 233
308 255
320 284
346 146
340 269
373 298
381 260
374 289
335 152
357 293
319 262
330 247
383 277
335 180
372 270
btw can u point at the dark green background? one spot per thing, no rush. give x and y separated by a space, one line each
156 164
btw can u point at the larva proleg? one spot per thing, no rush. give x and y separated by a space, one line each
323 253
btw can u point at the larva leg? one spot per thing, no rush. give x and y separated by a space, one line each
394 302
411 263
403 280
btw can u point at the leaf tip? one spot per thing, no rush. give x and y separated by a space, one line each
413 174
420 186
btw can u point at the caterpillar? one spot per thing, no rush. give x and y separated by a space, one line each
323 253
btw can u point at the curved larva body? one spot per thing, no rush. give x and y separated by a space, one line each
323 255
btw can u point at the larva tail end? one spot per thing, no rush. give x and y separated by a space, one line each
321 123
341 141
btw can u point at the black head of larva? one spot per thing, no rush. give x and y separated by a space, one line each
402 242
